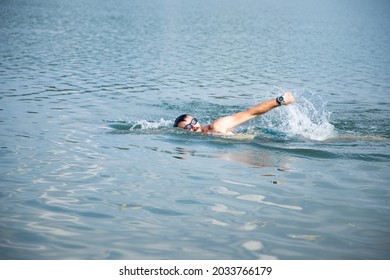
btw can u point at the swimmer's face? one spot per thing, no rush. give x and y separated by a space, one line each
190 124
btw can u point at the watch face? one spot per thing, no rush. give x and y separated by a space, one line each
280 99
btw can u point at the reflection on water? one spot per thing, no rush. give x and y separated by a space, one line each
91 168
257 158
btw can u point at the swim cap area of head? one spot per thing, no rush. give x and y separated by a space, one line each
179 119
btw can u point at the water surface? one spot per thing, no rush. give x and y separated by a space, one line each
91 167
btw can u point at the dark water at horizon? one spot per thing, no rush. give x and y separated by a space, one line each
92 169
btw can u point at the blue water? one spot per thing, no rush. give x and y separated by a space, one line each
91 167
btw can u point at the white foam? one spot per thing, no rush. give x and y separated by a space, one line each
308 123
139 125
146 125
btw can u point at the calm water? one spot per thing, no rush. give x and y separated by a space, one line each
91 168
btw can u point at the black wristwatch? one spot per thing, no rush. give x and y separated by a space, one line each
280 100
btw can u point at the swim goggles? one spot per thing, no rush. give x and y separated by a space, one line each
194 121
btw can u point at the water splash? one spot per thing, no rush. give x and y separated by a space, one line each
307 118
139 125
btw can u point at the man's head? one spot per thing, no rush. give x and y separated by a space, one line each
188 122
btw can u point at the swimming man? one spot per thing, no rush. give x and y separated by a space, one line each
225 125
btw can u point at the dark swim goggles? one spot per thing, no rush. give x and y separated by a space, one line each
194 121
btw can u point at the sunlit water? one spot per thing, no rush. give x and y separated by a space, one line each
91 167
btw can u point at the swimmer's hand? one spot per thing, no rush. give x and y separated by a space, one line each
288 98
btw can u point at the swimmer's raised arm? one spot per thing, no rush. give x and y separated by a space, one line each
226 124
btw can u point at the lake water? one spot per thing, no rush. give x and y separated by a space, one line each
91 167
